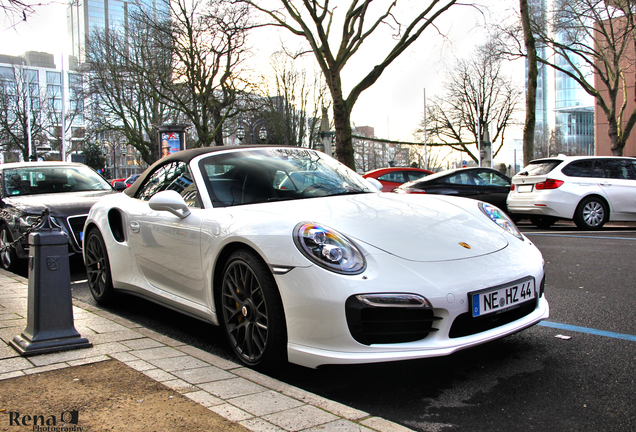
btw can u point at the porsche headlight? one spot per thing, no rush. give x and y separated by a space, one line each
328 248
500 218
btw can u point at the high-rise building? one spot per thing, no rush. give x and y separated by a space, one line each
86 16
564 111
54 94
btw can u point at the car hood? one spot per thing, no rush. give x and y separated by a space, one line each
417 228
59 204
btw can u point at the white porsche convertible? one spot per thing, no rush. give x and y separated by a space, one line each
300 259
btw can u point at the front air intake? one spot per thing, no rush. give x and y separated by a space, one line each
388 324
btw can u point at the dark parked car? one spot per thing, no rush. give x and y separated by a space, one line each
484 184
392 177
67 189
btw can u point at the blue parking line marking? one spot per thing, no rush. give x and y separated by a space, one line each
588 330
580 236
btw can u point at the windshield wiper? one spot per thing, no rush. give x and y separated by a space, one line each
350 192
274 199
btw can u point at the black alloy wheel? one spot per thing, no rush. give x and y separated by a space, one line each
98 272
252 312
8 258
591 214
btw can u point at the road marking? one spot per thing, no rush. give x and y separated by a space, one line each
588 330
79 281
581 236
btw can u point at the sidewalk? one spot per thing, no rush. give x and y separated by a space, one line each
240 395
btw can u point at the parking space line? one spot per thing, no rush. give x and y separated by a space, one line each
588 330
580 236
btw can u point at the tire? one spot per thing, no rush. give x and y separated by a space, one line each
543 222
8 258
591 214
100 279
252 312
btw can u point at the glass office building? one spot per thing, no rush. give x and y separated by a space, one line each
86 16
564 111
33 79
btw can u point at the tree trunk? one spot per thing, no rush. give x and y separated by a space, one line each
344 144
218 135
342 121
531 90
612 132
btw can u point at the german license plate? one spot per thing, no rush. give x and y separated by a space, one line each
498 299
524 188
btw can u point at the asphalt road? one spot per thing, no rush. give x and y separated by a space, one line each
575 372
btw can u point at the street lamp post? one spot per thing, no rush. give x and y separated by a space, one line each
325 135
262 133
123 152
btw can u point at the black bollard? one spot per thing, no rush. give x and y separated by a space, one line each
50 326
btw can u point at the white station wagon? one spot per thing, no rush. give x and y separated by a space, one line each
590 190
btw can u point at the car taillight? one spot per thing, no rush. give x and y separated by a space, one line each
512 187
548 184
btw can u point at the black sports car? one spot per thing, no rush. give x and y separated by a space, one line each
67 189
484 184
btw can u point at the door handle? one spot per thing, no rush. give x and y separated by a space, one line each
135 227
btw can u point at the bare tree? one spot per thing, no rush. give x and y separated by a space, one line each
369 154
292 109
541 146
125 102
182 68
207 43
479 100
431 158
435 157
588 40
313 21
17 10
23 110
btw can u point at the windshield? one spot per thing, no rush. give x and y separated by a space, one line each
540 167
264 175
52 179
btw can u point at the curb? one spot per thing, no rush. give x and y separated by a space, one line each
239 394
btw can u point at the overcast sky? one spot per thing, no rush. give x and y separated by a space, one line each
393 105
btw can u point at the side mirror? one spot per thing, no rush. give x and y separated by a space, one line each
170 201
119 186
375 182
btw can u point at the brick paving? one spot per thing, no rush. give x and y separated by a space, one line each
241 395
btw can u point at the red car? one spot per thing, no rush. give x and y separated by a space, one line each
130 180
112 182
393 177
